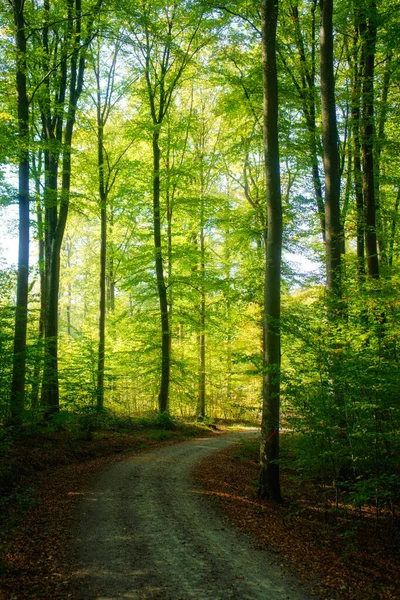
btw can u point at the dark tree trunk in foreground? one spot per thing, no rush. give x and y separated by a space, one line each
21 314
269 450
57 131
331 159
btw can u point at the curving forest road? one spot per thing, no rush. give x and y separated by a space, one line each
146 531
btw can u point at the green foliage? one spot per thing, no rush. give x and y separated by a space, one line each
341 384
165 421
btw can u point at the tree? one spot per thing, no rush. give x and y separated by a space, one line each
368 31
21 313
63 45
331 157
355 124
108 171
166 38
269 449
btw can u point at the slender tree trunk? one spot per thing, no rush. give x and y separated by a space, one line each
169 200
269 449
39 361
110 263
227 265
346 200
358 183
161 287
202 321
68 249
331 159
381 229
103 257
17 397
49 396
50 392
368 38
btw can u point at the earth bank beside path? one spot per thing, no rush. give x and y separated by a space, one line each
145 530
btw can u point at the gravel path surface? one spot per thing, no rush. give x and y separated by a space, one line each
146 531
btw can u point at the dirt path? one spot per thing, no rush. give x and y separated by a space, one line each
146 531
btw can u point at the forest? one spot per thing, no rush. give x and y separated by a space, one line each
205 199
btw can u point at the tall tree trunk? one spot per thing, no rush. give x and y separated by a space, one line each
227 269
331 160
56 213
103 256
39 217
169 201
50 391
358 182
110 263
161 287
346 200
368 39
49 397
381 229
269 449
21 314
68 250
201 411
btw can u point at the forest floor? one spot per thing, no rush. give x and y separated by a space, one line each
340 555
41 554
43 475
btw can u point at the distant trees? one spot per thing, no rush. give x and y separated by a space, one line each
166 37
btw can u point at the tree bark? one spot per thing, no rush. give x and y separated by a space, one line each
269 449
111 275
201 411
161 287
72 66
331 159
381 225
39 217
17 397
103 255
358 183
68 250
